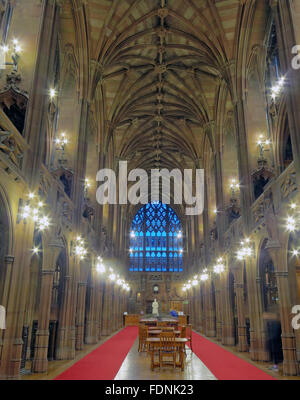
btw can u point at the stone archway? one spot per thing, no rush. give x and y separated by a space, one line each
293 262
270 304
4 245
5 260
30 324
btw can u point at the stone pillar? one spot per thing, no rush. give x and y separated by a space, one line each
290 364
90 324
80 315
40 361
210 311
258 339
197 309
228 321
239 292
9 261
115 306
219 322
62 351
99 308
107 309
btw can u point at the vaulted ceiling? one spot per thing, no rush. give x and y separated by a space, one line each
158 69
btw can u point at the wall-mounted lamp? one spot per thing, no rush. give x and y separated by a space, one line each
219 267
245 251
263 143
14 49
277 89
79 250
234 186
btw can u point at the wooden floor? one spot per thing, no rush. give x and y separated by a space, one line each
136 366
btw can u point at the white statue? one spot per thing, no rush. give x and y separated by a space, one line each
155 307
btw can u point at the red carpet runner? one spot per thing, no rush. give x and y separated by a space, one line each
223 364
104 362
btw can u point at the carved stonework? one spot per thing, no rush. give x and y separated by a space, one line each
10 147
14 101
289 185
271 220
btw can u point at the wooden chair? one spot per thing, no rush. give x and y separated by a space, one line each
189 335
167 348
167 329
183 332
143 335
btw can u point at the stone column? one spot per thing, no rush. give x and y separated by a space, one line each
80 315
9 261
99 308
197 309
219 322
115 307
107 309
258 339
40 361
239 292
228 322
90 324
210 311
290 364
62 352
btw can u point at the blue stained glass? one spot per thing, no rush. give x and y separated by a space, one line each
156 226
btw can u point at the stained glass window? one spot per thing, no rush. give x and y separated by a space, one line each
156 240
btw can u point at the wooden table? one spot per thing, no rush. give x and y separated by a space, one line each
154 344
156 332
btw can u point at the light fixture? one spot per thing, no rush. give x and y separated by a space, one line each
276 89
32 211
87 185
43 223
219 267
79 250
234 186
100 267
262 143
195 282
15 49
204 277
295 253
291 224
245 251
112 277
52 93
35 250
62 141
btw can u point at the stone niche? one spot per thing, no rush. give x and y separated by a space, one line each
166 288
